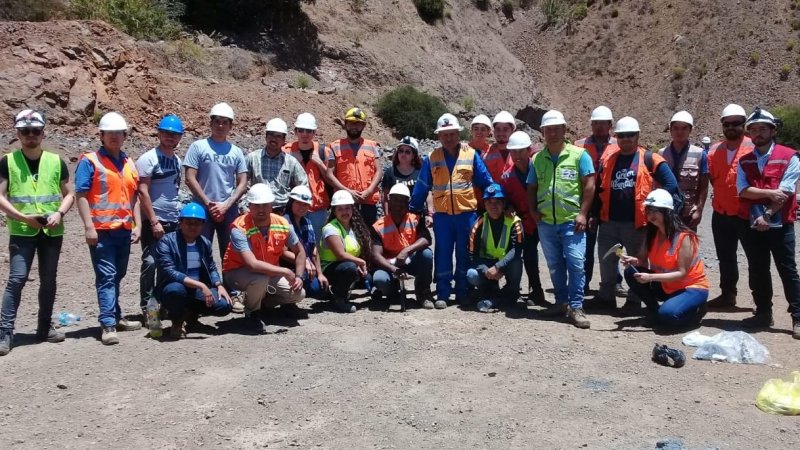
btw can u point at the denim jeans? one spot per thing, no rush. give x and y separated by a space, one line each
679 308
611 233
728 231
177 299
21 250
490 289
530 259
342 276
110 261
780 243
421 267
564 250
451 233
222 229
147 273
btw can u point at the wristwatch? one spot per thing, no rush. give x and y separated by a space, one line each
767 215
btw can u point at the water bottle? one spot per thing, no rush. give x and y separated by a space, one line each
65 319
153 322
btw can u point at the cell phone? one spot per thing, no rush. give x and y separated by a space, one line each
42 220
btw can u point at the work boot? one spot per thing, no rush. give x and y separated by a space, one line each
759 320
631 308
536 298
796 328
255 321
109 336
49 334
557 310
176 331
723 300
599 303
578 317
6 341
425 298
440 304
128 325
344 306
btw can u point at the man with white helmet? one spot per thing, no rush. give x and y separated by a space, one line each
106 184
216 173
706 141
560 193
481 130
767 184
451 171
689 164
271 165
252 260
496 156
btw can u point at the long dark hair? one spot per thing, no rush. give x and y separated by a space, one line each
361 230
672 226
416 162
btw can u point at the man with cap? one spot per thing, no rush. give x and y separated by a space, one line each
560 193
159 184
726 226
357 167
450 172
481 131
496 156
689 165
34 194
706 141
252 260
271 165
106 184
216 173
767 184
189 284
401 245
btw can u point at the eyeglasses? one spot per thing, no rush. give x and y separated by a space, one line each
303 130
275 134
30 131
626 135
736 124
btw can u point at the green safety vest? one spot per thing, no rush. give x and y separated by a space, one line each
498 251
34 197
559 184
351 246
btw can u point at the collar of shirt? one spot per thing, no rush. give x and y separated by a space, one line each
105 153
266 154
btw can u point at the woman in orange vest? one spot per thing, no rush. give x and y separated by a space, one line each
676 275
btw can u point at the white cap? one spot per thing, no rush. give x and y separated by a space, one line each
447 122
706 140
411 142
277 126
682 116
659 198
113 121
481 119
29 119
733 110
760 116
342 198
302 194
400 189
552 117
519 140
627 125
260 194
222 110
601 113
505 117
306 121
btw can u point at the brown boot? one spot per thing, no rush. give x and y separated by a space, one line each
578 318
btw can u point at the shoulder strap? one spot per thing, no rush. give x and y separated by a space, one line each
648 162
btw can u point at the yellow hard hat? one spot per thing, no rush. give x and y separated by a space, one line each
355 115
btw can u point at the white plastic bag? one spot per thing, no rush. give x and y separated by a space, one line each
730 346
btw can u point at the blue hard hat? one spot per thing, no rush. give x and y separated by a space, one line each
193 211
493 191
172 123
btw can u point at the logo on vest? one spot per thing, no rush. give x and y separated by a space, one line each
569 174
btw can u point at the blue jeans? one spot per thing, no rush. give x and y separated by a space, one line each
177 299
679 308
421 267
110 260
564 250
21 250
147 273
530 259
222 229
490 289
313 288
452 234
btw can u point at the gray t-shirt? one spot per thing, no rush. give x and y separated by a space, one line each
217 165
165 181
241 244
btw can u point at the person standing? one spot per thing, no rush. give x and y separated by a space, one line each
34 194
503 124
405 167
481 130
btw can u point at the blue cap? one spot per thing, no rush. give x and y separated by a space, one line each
172 123
193 211
493 191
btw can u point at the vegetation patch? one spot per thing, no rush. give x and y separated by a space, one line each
430 10
410 112
789 131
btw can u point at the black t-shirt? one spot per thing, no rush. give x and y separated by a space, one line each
623 182
33 165
392 176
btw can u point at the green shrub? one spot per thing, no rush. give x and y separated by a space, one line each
791 44
430 10
468 103
143 19
186 51
678 72
579 11
789 132
508 8
302 81
755 57
786 69
410 112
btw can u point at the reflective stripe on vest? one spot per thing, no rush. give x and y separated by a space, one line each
723 176
395 240
351 246
355 170
29 196
452 192
663 257
489 249
771 177
643 184
316 183
688 175
265 248
559 184
111 194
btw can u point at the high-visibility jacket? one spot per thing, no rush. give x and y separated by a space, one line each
559 184
452 192
663 258
480 148
517 193
37 197
488 249
112 192
723 176
316 183
770 178
265 248
495 161
688 175
643 184
351 246
355 170
396 237
590 144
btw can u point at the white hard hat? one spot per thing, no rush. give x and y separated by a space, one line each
659 198
505 117
733 110
342 198
301 194
113 121
29 119
481 119
627 125
552 117
411 142
682 116
760 116
706 140
260 194
519 140
601 113
400 189
222 110
306 121
447 122
277 126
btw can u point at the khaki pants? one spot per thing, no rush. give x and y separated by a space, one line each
261 291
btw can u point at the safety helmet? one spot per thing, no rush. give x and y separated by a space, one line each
306 121
192 211
551 118
411 142
277 126
400 189
222 110
659 198
342 198
29 119
260 194
113 121
171 123
682 116
447 122
761 116
706 140
733 110
355 115
518 140
601 113
301 194
505 117
481 119
627 125
493 191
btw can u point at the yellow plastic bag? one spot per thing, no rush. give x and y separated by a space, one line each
780 396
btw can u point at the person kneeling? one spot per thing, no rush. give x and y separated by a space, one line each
495 251
401 245
676 275
189 284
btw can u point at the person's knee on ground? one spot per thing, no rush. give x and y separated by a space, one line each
174 298
382 281
345 277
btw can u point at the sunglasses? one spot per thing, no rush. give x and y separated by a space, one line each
303 130
275 134
30 131
732 124
626 135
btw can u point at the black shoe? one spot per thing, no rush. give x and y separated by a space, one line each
663 354
759 320
724 300
344 306
599 303
631 308
256 323
536 298
49 334
6 342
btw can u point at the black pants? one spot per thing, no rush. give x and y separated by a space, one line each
147 273
342 276
780 242
728 231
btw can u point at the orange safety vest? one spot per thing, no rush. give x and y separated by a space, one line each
481 149
591 146
316 183
355 170
644 183
723 176
452 192
663 258
265 248
112 192
494 161
396 237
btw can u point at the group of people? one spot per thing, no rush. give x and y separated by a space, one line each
302 218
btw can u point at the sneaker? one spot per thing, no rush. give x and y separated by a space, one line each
6 338
536 298
428 304
50 335
557 310
631 308
440 304
724 300
599 303
759 320
237 307
128 325
620 291
424 297
796 328
578 318
109 336
344 306
176 331
484 306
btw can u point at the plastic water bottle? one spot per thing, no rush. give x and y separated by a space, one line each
65 319
153 322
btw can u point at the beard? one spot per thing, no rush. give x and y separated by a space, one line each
733 134
354 134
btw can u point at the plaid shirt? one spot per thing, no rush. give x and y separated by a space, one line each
280 172
306 233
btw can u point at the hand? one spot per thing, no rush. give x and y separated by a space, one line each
218 210
32 222
695 215
394 270
536 216
366 193
400 260
362 267
311 268
91 236
429 221
323 282
761 224
592 224
493 274
296 284
53 220
223 294
777 196
356 196
629 260
643 278
158 230
580 223
208 296
136 233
